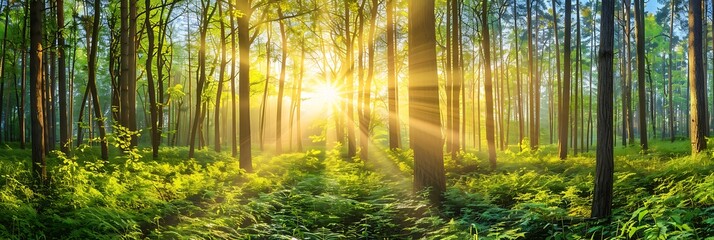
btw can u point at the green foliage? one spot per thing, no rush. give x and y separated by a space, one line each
320 195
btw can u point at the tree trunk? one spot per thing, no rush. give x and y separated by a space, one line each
697 83
669 96
39 169
365 115
234 118
244 84
221 76
62 80
565 99
425 130
533 79
629 116
602 194
281 83
640 38
264 103
201 111
488 89
392 92
91 81
153 108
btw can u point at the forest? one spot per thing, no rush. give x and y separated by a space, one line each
356 119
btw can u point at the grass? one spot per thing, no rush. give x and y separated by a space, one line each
317 194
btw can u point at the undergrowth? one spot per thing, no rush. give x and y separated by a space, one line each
318 194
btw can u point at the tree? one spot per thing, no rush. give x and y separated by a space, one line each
424 122
669 75
221 79
487 84
565 99
39 163
91 82
366 112
533 79
519 102
206 14
640 40
392 91
127 76
281 82
153 106
697 83
602 195
244 84
62 80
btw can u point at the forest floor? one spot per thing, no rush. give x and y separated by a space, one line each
665 194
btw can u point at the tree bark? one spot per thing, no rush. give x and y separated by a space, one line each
425 126
244 84
697 83
487 85
281 83
221 76
602 194
640 38
565 100
392 92
39 163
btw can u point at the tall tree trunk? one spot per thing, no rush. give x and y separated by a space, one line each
23 79
39 169
565 99
578 78
365 115
91 81
201 110
669 75
640 34
456 76
425 130
557 62
629 116
697 83
392 92
534 131
153 108
3 78
221 77
351 146
62 80
281 83
244 84
488 89
234 118
602 194
264 103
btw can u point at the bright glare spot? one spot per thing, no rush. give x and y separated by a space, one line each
324 94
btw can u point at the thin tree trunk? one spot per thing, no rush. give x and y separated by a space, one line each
485 43
671 47
281 84
642 102
221 77
155 136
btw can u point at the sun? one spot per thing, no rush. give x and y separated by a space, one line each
324 94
